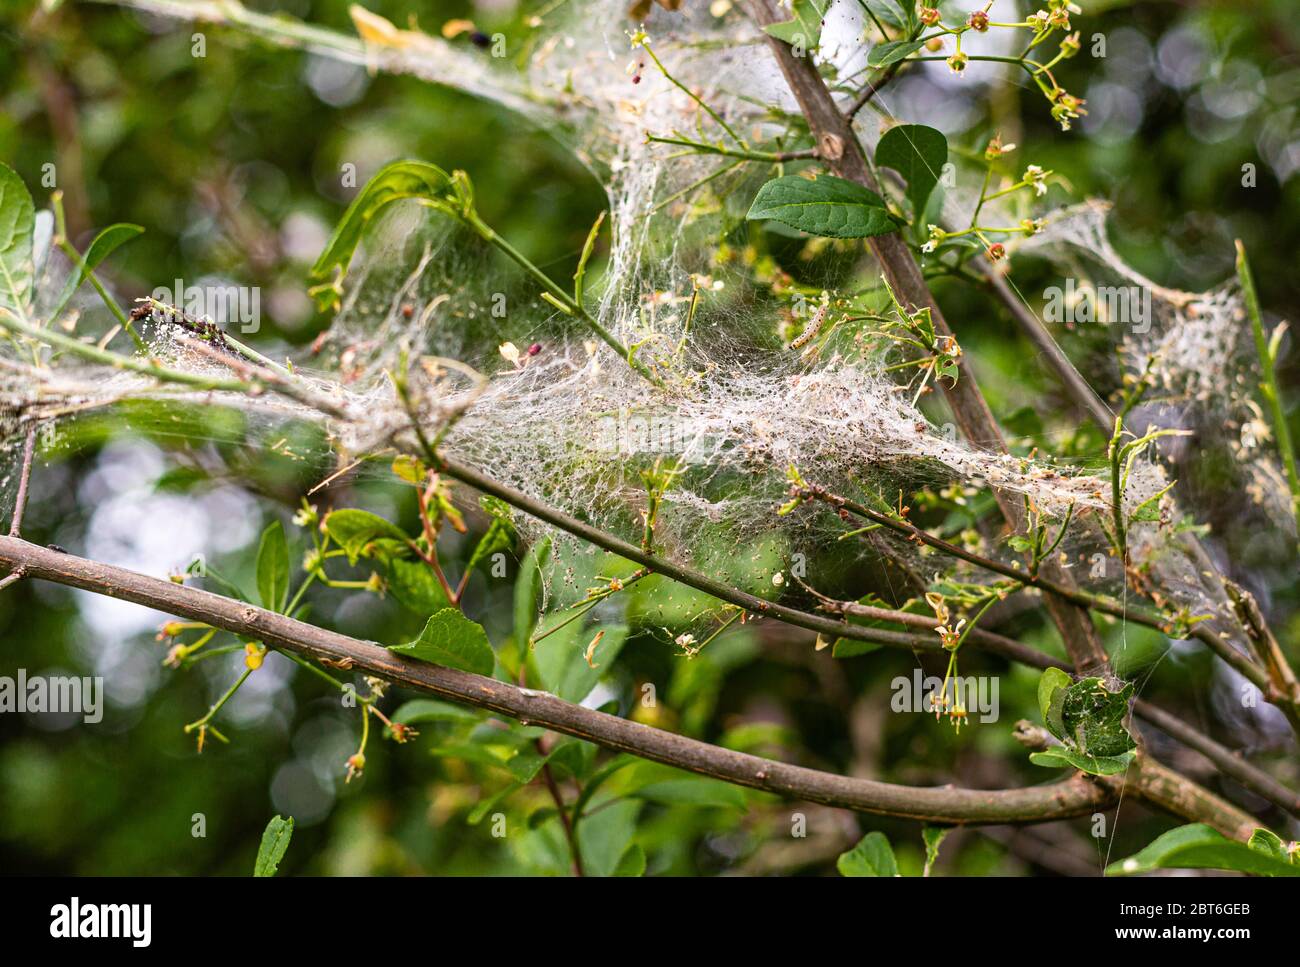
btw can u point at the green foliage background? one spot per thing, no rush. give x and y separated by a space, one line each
215 156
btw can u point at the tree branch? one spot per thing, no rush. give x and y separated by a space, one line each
1160 786
871 89
1230 763
24 481
1075 796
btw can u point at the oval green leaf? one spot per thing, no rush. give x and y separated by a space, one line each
828 206
918 153
17 224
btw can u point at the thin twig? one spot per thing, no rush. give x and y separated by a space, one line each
867 93
24 479
565 820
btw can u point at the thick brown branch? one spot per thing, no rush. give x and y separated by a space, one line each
1074 797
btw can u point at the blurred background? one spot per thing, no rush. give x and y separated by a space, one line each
230 163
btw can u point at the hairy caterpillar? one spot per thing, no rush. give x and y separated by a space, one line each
814 326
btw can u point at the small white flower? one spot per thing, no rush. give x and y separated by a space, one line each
1037 177
509 352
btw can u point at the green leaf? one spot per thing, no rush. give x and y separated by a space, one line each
829 206
886 12
1093 717
674 787
354 529
275 840
805 30
918 153
105 243
413 584
1270 844
605 836
451 639
525 764
882 55
431 710
485 805
17 226
1061 757
873 856
853 647
933 837
393 182
1199 847
632 862
561 658
1052 681
273 568
500 534
528 590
